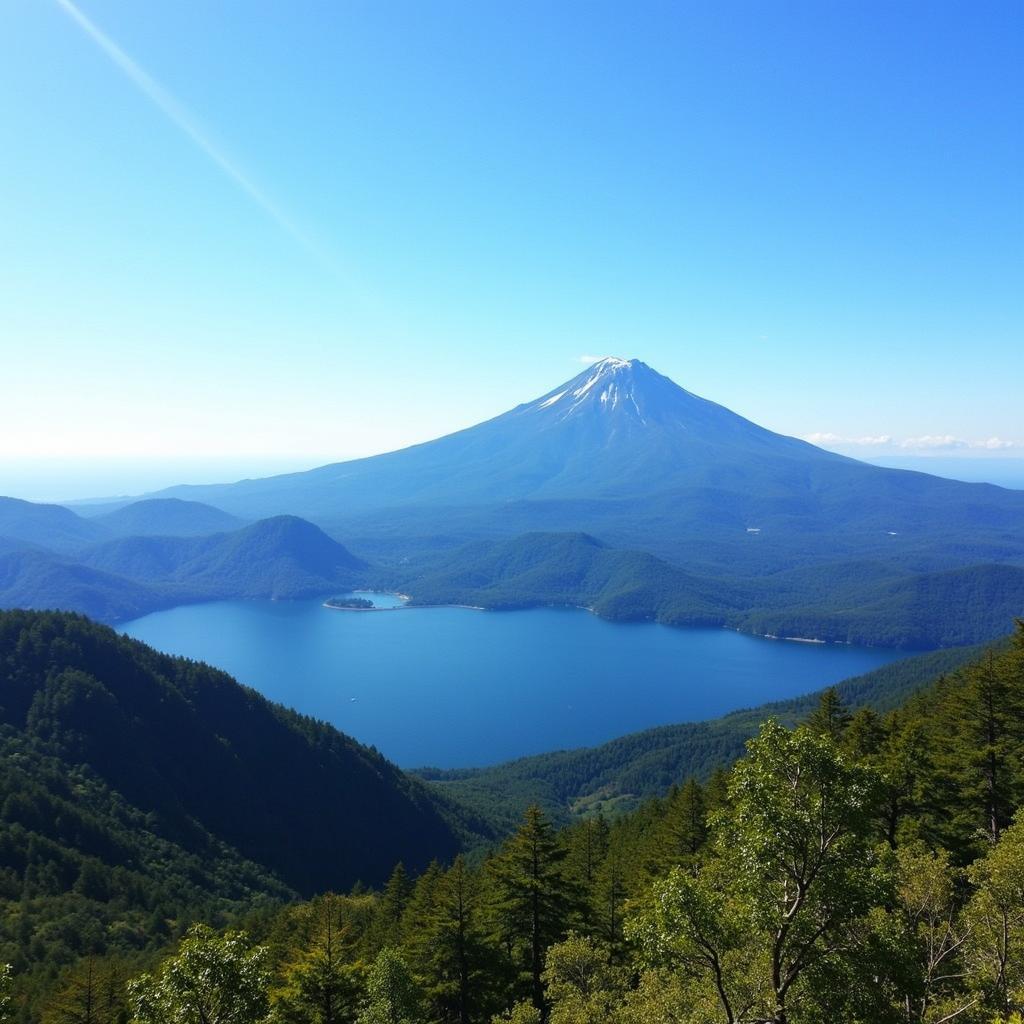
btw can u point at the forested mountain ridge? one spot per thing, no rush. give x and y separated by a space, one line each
860 867
284 557
139 788
871 603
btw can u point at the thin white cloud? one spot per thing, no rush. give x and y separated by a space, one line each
925 443
826 439
189 126
589 360
934 443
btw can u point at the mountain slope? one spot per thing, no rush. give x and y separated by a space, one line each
623 453
49 526
204 761
166 517
282 557
121 579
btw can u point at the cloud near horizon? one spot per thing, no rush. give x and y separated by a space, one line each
924 443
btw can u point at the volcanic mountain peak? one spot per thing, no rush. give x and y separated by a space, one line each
605 386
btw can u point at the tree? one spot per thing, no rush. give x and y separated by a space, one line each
933 937
587 847
684 829
387 925
92 992
984 723
791 872
581 985
391 994
321 984
6 1001
450 957
531 896
213 979
831 717
996 916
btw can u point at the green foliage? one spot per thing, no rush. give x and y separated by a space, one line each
841 870
6 1003
391 994
140 793
212 979
320 982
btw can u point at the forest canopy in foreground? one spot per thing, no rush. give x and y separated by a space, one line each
859 867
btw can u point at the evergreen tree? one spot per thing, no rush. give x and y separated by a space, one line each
452 962
92 992
831 716
609 915
532 897
982 761
387 925
321 985
684 829
586 848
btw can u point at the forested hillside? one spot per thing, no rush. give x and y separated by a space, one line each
861 867
280 558
139 792
876 603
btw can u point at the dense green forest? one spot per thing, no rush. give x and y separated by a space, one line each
882 603
860 866
125 577
140 792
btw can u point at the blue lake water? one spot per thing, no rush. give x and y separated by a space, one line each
456 687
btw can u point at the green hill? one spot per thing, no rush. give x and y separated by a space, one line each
140 791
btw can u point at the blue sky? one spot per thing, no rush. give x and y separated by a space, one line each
810 212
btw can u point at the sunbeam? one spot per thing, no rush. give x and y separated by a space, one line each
186 123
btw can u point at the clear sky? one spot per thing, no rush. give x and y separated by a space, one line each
303 231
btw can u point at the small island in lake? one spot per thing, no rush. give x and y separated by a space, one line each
350 602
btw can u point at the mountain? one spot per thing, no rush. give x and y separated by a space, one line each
283 557
48 526
114 753
166 517
861 603
694 515
43 579
625 454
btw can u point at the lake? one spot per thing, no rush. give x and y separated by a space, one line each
453 687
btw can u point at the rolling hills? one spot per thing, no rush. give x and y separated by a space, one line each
280 558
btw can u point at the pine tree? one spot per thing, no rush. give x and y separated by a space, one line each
452 961
532 898
90 993
982 761
683 830
831 716
321 984
387 925
586 848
